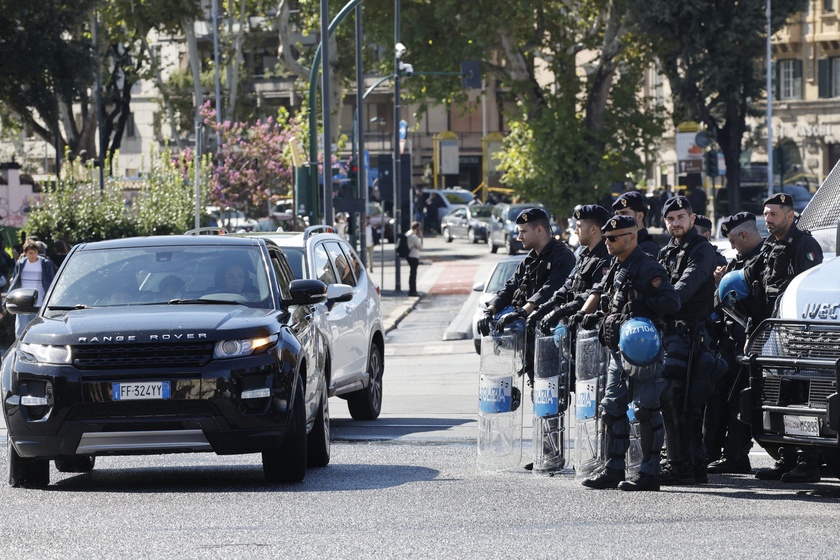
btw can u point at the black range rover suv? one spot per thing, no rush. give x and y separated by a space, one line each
167 345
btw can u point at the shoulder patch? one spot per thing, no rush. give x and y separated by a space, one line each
810 256
656 282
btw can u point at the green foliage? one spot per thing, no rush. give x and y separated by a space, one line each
77 210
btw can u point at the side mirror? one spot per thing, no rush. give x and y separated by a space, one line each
478 287
339 292
22 300
307 292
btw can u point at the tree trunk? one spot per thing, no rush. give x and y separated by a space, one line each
195 66
233 86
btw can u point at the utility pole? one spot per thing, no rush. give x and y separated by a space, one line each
398 52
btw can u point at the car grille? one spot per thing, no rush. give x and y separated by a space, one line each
140 409
809 342
138 356
817 393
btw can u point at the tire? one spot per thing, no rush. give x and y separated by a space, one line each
26 473
76 464
509 246
318 440
492 246
366 404
287 463
477 342
447 235
471 236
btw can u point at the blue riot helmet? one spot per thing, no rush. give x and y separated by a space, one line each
640 346
733 287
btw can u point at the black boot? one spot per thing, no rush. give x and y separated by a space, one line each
701 474
606 478
806 470
731 465
677 473
786 462
642 482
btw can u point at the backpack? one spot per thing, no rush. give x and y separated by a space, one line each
402 247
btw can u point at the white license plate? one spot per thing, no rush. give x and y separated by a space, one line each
802 426
140 391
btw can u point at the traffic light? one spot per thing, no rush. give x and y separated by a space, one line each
712 163
353 176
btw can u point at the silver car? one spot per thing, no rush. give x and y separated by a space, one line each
501 273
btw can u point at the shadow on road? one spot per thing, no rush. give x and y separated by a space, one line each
391 428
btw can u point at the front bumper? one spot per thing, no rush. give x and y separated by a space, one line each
208 409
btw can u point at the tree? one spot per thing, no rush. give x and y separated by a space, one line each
572 67
712 52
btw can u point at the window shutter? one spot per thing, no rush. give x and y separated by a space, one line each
797 79
824 77
774 72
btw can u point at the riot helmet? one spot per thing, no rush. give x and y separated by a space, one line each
640 347
733 287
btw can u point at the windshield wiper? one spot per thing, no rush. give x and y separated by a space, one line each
204 300
68 307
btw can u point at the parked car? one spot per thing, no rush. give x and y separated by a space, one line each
377 218
467 222
449 199
355 343
231 219
501 273
168 344
502 226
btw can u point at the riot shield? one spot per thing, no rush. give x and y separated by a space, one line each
501 383
592 360
551 400
633 459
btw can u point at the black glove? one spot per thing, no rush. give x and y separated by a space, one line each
533 320
510 318
590 321
484 322
550 321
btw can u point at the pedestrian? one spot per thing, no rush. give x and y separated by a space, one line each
420 205
415 245
369 242
689 259
543 271
593 262
433 205
31 271
632 203
636 286
697 199
704 227
727 439
787 252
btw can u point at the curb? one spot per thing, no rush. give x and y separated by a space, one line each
397 315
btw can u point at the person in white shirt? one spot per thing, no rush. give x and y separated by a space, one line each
415 244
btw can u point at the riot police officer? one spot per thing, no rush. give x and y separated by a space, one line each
689 259
727 439
632 203
542 272
788 251
593 262
635 287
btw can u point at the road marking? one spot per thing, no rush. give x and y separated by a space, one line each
455 278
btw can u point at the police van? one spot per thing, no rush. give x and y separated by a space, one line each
794 360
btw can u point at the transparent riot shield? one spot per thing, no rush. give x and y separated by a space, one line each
633 459
501 383
551 400
591 362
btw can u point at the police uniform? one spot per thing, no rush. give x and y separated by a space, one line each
636 202
635 287
705 222
783 259
728 440
590 269
690 263
536 278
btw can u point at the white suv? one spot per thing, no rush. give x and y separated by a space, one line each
353 324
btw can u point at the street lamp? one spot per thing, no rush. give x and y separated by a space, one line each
399 51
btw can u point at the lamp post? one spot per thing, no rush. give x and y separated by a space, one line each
769 107
399 51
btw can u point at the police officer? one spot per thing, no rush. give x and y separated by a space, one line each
632 203
704 227
542 272
635 286
727 439
593 262
689 259
788 251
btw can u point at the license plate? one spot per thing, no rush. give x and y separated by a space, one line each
802 426
140 391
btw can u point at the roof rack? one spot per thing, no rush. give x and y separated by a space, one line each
210 230
315 230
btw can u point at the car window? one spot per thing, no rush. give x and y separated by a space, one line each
343 267
295 258
457 197
355 262
460 213
143 275
283 274
501 274
323 267
480 211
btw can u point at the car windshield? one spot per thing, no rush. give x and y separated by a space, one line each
149 275
481 211
501 274
458 197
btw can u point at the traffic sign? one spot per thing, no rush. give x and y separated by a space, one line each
691 166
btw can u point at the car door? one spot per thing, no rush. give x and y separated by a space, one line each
459 222
352 316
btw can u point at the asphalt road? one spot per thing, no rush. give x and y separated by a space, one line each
407 486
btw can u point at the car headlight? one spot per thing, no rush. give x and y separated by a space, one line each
44 353
243 347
